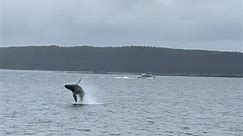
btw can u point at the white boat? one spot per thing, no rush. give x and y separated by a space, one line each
146 75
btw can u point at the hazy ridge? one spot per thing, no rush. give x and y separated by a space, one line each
131 59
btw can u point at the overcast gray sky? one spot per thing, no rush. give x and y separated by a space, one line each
193 24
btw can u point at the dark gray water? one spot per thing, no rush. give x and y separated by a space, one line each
36 103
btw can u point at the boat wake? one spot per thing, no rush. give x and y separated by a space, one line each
122 77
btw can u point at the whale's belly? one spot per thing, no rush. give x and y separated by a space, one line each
79 91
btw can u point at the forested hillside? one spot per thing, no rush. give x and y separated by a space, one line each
133 59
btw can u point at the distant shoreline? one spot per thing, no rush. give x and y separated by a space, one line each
122 60
161 74
127 73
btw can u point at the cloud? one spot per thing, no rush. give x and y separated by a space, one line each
116 22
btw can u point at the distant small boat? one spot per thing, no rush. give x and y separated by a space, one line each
146 75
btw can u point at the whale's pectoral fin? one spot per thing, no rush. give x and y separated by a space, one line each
75 97
78 81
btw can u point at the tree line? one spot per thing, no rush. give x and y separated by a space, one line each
133 59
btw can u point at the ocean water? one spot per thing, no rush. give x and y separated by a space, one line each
36 103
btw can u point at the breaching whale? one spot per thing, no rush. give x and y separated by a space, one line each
77 90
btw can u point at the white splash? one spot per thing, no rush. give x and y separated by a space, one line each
89 97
